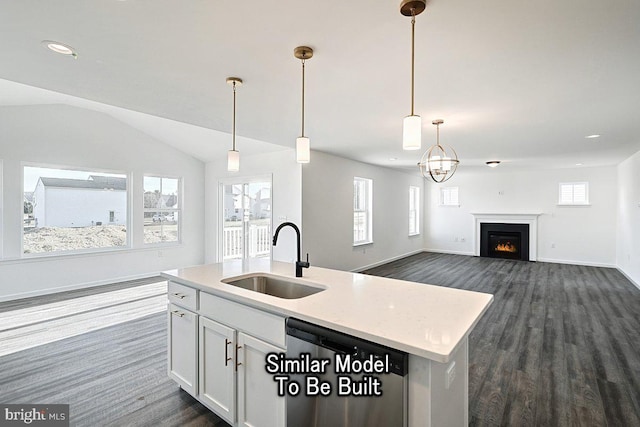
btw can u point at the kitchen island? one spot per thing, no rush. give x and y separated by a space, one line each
210 319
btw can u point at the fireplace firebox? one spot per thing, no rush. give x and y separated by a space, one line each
501 240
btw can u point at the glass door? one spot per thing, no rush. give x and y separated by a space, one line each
246 219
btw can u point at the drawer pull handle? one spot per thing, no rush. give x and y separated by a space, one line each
181 296
177 313
237 363
226 352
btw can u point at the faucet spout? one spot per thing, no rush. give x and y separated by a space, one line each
299 263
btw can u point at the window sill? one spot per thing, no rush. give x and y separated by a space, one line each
413 234
574 205
44 257
449 206
370 242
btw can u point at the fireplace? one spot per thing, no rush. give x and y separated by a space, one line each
502 240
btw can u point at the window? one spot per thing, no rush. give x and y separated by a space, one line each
414 211
449 196
162 209
73 210
246 218
362 211
574 193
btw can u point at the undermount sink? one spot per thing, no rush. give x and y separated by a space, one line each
274 286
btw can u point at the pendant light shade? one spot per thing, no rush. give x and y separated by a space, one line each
439 162
233 156
412 125
303 152
303 149
412 133
233 161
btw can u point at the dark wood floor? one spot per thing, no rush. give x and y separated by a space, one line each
115 376
560 346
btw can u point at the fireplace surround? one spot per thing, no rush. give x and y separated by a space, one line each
501 240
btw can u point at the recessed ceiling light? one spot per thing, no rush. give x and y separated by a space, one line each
60 48
393 159
493 163
578 164
592 136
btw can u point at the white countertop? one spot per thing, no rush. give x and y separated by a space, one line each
425 320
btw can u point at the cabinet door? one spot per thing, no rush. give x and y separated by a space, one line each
217 376
258 401
183 348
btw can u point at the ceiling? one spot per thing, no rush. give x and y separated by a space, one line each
523 82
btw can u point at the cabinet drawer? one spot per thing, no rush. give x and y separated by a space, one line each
265 326
183 296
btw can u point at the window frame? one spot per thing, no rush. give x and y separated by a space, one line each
573 185
414 196
441 197
368 210
89 251
179 210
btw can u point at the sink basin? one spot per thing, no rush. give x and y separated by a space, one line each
274 286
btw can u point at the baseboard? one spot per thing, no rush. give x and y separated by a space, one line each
636 284
446 251
379 263
47 291
574 262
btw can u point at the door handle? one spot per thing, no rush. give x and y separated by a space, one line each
237 363
177 313
226 352
181 296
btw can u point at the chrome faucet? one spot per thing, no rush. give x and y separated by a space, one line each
299 264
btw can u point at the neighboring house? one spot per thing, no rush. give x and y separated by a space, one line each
62 202
260 203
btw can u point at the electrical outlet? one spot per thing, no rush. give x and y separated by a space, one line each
553 245
450 375
160 254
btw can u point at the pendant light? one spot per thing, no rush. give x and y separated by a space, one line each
412 125
233 156
303 153
437 163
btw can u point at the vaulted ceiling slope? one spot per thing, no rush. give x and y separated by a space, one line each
523 82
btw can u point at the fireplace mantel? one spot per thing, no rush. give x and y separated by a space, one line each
509 218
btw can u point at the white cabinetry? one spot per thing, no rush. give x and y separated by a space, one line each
183 345
217 368
258 402
218 356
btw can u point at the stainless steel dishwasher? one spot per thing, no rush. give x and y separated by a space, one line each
308 341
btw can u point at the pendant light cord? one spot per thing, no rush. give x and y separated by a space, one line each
234 116
302 98
413 50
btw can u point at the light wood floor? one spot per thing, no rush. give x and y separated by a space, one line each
559 346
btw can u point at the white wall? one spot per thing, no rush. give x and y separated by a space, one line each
327 213
59 135
581 235
628 247
285 193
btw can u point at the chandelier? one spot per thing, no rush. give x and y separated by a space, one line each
438 163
